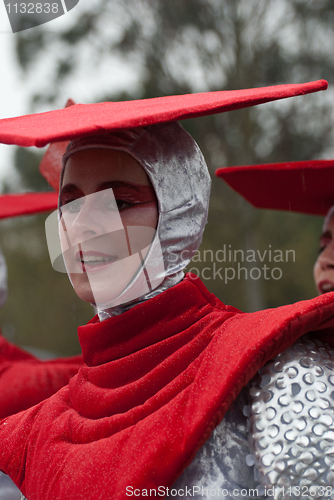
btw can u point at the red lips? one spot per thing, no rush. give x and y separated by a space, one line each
93 260
326 286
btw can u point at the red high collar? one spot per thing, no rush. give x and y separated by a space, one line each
147 323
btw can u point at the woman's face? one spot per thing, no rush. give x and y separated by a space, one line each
108 212
324 267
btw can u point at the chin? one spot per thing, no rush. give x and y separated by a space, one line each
98 294
82 287
85 295
103 297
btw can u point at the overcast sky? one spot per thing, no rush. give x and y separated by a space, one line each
13 98
83 87
14 89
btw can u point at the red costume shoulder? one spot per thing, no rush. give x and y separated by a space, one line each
156 381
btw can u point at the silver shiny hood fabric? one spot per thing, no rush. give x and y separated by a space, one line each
180 178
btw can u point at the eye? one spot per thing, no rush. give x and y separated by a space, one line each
73 206
325 240
122 204
112 205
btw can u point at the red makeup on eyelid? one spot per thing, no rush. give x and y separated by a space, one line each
325 239
145 194
126 191
69 193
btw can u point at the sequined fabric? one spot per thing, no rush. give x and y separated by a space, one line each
219 469
292 422
8 490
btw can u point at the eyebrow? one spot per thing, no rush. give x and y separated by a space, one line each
117 184
69 188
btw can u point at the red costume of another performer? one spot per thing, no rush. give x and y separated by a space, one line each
24 379
306 187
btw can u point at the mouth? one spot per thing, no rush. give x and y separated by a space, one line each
326 286
94 261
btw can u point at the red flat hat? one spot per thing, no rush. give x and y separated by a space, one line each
77 120
86 119
302 186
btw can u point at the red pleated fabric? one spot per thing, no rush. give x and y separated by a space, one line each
156 381
25 380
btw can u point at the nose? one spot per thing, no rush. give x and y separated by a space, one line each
83 225
326 263
326 258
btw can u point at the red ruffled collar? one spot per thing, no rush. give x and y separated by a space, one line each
148 323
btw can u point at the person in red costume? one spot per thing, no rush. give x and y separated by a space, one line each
304 187
24 379
324 267
164 358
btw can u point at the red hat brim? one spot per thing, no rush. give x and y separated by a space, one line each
14 205
76 120
85 119
303 186
161 109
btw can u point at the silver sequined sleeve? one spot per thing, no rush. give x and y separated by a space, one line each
219 469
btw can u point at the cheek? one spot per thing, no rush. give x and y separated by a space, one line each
317 273
63 236
82 287
316 270
142 215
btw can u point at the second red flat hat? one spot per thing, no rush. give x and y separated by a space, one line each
303 186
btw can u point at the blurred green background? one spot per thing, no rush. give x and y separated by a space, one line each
175 47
